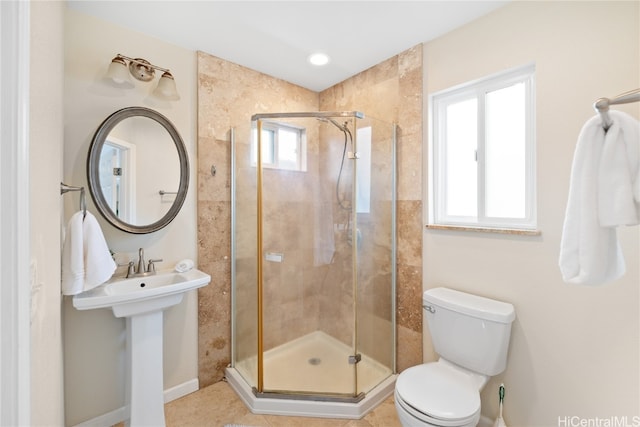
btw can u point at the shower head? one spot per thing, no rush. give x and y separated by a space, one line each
343 127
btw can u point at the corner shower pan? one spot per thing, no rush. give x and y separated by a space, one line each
309 408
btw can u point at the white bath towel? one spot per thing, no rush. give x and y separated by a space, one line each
86 260
619 173
589 252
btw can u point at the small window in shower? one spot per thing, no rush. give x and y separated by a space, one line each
283 147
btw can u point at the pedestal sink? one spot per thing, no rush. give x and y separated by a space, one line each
141 300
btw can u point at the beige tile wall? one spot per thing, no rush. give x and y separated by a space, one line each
228 95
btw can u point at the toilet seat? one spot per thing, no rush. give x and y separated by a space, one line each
438 394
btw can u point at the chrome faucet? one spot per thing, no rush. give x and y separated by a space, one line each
140 261
141 270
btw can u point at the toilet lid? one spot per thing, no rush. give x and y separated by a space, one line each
439 391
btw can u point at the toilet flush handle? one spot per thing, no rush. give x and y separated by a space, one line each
429 308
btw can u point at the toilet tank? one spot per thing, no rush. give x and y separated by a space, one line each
469 330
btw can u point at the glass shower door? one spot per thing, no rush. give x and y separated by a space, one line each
308 318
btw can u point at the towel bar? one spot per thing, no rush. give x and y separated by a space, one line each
64 188
602 105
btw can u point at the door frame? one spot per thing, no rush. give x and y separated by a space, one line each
15 269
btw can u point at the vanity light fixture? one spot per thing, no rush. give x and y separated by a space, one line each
120 70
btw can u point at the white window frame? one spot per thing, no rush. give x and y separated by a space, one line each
478 89
301 160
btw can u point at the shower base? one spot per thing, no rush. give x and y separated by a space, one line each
302 365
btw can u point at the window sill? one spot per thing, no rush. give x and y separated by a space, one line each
514 231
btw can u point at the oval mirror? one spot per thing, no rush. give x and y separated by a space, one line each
138 170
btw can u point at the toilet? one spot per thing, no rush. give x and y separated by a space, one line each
471 335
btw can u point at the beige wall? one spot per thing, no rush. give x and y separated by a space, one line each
94 340
574 349
45 146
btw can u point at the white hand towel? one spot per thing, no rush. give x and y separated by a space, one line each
184 265
619 173
86 260
589 254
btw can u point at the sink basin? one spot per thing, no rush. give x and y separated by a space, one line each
127 297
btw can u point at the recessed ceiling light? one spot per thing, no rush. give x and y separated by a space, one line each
319 59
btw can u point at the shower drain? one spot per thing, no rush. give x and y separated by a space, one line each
315 361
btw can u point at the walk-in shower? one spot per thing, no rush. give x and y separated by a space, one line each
313 269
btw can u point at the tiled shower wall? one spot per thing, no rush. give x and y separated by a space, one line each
392 91
228 95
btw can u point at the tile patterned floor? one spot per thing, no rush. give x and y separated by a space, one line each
217 405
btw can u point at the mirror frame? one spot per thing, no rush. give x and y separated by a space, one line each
93 166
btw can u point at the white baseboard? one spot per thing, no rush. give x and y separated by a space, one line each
109 419
119 415
180 390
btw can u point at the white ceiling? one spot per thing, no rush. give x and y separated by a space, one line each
276 37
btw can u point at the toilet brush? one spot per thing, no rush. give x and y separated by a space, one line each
499 421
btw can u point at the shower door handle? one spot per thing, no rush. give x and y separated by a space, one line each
274 256
355 359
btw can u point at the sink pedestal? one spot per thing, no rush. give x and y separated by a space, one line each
142 301
145 391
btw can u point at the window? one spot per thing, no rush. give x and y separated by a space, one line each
482 153
283 147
